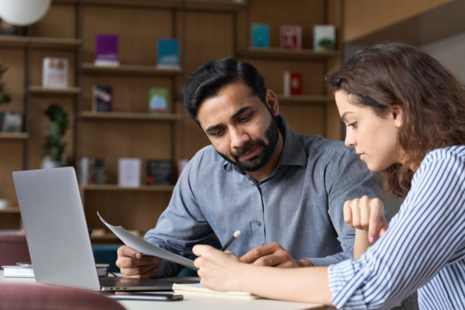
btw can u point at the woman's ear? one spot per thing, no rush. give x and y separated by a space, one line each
397 116
272 102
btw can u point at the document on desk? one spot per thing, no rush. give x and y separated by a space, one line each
199 289
147 248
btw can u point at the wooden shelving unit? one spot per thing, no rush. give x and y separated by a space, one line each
284 54
130 69
37 42
39 90
14 135
122 116
114 187
10 210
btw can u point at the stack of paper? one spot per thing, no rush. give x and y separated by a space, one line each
199 289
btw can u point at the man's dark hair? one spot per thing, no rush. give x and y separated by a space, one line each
213 76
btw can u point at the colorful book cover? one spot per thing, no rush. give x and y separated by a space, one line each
324 38
292 83
102 98
158 100
291 37
159 172
106 50
55 73
260 35
168 53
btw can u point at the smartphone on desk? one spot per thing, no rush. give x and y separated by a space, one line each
142 296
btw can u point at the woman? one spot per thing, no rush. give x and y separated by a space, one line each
405 116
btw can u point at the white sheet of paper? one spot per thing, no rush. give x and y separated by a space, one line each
147 248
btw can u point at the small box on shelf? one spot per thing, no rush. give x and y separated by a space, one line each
159 172
158 100
260 35
55 72
324 38
11 121
292 83
168 53
129 172
106 50
102 99
291 37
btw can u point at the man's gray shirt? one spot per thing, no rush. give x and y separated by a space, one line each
300 205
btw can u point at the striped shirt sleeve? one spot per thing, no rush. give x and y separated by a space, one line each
426 235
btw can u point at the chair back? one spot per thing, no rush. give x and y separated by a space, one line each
13 249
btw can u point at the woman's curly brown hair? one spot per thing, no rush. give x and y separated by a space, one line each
431 98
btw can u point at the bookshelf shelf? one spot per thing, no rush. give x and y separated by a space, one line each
39 42
114 187
130 69
14 135
190 5
283 54
305 99
89 115
55 91
10 210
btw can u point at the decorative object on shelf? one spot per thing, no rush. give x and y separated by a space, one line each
292 83
158 100
11 121
324 38
168 53
23 12
4 98
102 100
7 29
159 172
4 203
291 37
53 150
106 50
129 172
100 175
86 173
55 72
260 35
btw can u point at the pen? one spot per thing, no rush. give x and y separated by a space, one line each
236 234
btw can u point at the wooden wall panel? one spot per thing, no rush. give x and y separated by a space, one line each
304 120
58 22
137 28
40 124
112 140
362 17
11 159
14 59
38 56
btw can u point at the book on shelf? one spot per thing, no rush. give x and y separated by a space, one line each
158 100
292 83
260 35
11 121
324 38
291 37
7 29
159 172
102 99
129 172
106 50
55 72
16 271
168 53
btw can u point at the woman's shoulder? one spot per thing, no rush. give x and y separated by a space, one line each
441 162
450 153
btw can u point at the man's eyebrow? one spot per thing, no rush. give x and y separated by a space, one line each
212 128
343 117
240 111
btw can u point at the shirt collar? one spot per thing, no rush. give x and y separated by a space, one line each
293 153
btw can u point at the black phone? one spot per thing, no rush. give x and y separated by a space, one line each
142 296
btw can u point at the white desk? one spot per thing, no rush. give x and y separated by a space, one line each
192 302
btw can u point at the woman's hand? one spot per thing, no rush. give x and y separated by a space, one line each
366 214
219 271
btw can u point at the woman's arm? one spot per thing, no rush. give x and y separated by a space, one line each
224 272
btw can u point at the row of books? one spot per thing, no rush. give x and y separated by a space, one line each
324 37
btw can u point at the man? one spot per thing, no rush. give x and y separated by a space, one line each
284 192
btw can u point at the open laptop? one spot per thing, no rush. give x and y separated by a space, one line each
57 234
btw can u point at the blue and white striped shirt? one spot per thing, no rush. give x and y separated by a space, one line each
423 249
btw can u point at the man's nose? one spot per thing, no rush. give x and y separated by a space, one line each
238 138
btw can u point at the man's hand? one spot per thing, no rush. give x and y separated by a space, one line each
273 255
134 265
366 214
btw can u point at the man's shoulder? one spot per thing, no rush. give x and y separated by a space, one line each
318 146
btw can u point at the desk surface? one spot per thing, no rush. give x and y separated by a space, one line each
193 302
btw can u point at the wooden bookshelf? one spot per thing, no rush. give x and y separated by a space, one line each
305 99
284 54
130 69
89 115
10 210
54 91
114 187
39 42
14 135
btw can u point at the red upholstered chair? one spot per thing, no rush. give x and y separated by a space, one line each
15 296
13 249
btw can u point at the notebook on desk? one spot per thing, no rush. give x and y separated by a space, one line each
57 235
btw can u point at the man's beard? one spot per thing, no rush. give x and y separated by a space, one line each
258 161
